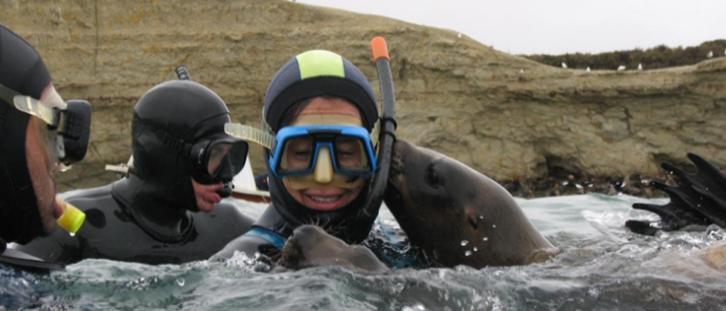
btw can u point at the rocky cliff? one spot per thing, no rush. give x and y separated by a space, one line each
506 116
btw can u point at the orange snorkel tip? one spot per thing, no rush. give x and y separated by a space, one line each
379 48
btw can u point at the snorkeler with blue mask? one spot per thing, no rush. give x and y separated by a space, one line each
322 122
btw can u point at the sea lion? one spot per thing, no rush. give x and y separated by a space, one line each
311 246
458 216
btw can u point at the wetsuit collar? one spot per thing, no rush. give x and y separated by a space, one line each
269 236
164 222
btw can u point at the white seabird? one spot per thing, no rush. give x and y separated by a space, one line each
710 54
621 68
588 69
564 65
640 66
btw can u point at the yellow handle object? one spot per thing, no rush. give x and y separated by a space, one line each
72 217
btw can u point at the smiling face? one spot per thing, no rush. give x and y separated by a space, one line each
325 189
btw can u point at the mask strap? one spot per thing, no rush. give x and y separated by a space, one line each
170 140
375 132
248 133
7 94
30 106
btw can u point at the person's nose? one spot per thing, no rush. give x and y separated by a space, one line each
323 167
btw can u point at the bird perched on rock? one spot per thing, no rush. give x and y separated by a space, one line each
621 68
564 66
640 66
710 54
588 69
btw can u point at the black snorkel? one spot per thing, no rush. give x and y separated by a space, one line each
387 136
225 192
182 73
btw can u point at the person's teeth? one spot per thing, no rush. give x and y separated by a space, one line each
324 199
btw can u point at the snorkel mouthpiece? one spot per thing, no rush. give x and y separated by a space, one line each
226 191
72 217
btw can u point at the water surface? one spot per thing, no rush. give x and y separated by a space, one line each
601 266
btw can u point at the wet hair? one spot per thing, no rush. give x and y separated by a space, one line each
294 111
291 114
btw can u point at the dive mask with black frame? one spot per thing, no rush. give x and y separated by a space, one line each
68 129
217 159
211 160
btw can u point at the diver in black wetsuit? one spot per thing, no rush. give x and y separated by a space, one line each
183 163
321 173
34 144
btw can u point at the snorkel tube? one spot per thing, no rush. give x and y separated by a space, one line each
182 73
387 136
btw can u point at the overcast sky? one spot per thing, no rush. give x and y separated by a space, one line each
559 26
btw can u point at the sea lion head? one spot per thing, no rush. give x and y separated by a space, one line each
455 214
310 246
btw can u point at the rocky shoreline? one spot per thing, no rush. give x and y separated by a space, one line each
505 116
634 185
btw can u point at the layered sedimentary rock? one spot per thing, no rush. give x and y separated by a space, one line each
506 116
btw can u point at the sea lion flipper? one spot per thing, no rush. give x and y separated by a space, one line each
709 171
642 227
698 198
671 215
713 207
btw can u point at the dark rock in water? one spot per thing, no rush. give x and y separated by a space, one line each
634 184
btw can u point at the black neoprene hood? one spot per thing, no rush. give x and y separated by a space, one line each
22 70
319 73
169 113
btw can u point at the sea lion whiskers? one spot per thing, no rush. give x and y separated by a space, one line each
321 222
311 246
456 215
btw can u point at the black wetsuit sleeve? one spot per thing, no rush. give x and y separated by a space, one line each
249 245
59 247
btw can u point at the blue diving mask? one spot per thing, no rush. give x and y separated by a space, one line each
295 149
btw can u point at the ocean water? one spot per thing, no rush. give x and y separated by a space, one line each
601 266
